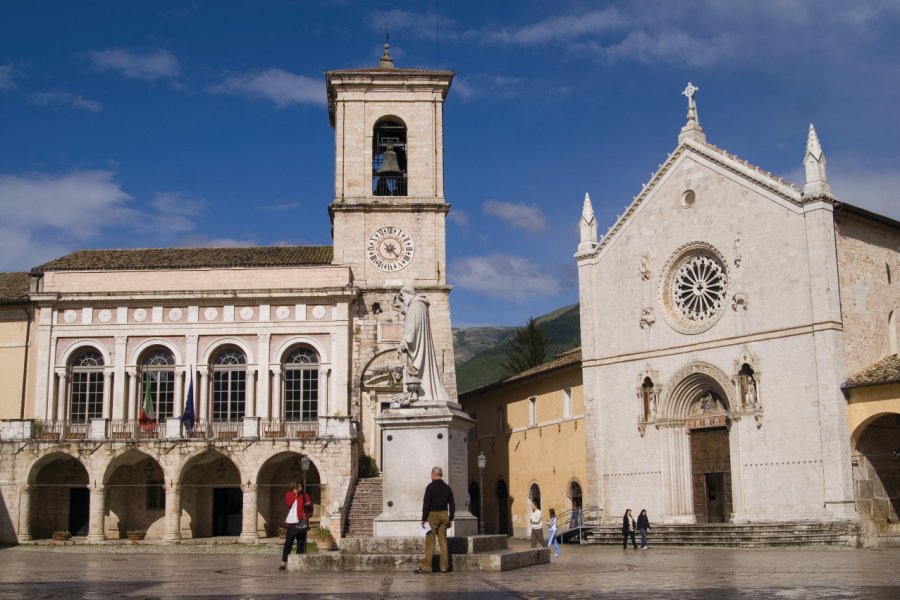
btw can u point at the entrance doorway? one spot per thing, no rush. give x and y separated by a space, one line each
711 475
502 507
79 510
228 505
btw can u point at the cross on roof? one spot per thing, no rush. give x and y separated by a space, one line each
689 92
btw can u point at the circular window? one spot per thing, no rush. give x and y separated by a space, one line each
694 288
688 199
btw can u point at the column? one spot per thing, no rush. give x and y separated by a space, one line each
24 534
249 524
107 393
96 525
172 532
178 404
277 411
325 408
120 400
250 404
202 406
263 378
61 395
131 401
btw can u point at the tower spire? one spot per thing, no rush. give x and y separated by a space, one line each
814 165
587 226
691 129
386 61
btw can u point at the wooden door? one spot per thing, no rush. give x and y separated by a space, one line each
711 475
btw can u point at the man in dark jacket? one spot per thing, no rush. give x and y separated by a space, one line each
438 509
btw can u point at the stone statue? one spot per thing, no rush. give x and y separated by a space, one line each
750 392
421 375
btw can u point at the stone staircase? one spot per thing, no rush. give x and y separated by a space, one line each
364 507
736 535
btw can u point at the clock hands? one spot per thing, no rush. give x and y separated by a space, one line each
390 248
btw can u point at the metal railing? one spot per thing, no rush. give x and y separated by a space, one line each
575 523
384 185
133 429
282 428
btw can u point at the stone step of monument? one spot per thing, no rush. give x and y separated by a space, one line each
736 535
485 562
365 505
411 545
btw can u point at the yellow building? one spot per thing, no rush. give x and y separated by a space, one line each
530 428
16 345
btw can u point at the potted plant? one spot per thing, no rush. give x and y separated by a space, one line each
282 531
324 538
61 536
136 535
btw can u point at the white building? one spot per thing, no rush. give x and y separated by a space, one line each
719 317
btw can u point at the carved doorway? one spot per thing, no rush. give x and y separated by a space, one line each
711 475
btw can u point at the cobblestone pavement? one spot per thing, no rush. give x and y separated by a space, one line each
235 571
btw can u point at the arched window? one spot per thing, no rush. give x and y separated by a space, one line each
534 494
158 378
389 158
86 391
301 385
229 385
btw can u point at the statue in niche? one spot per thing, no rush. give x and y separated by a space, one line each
748 387
421 375
737 250
645 268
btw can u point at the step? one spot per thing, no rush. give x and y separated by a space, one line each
486 562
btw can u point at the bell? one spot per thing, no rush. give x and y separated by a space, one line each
389 165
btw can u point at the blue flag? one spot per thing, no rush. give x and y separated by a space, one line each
187 419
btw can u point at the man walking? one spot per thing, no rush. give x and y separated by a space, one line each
438 509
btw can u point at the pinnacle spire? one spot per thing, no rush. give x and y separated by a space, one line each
386 61
587 227
814 166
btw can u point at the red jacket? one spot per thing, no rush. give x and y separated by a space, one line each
303 501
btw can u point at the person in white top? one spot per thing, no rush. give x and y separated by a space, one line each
537 526
551 526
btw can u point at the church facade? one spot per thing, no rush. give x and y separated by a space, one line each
179 391
720 316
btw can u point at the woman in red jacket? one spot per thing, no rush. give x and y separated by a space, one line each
297 521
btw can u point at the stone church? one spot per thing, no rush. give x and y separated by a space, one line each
720 316
179 391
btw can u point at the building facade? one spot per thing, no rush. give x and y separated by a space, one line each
720 315
180 391
530 429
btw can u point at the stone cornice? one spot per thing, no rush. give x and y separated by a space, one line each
220 297
367 204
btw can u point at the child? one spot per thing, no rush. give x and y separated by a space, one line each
551 524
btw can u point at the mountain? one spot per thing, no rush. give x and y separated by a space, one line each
480 351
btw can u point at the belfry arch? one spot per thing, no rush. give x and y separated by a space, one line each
701 467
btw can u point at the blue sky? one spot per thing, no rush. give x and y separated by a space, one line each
147 124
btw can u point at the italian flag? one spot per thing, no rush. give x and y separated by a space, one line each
147 420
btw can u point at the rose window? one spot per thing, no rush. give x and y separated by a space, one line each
693 288
698 288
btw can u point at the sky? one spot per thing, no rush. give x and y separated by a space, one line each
204 123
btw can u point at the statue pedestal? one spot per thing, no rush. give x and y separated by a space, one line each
413 440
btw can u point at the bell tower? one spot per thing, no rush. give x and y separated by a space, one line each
389 214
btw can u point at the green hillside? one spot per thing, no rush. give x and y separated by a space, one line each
562 326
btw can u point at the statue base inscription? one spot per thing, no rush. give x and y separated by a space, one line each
413 440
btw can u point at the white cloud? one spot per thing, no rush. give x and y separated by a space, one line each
672 47
7 75
277 86
459 217
203 241
520 216
503 276
150 66
58 99
557 28
284 206
497 86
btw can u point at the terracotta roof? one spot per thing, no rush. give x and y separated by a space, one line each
14 287
866 214
189 258
886 370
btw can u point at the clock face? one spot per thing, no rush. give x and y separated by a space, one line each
390 248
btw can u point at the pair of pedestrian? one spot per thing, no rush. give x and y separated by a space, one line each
537 528
629 526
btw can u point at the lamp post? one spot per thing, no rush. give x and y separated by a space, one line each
304 466
482 462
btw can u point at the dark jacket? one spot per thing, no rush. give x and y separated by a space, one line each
438 496
643 522
626 521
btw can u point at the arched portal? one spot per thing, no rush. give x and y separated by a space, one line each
274 481
502 507
697 469
60 500
135 496
877 471
574 493
211 497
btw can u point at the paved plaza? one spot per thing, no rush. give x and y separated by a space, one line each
235 571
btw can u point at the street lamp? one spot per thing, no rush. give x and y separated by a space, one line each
304 466
482 462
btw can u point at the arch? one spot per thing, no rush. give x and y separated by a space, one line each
214 348
876 478
147 345
300 384
501 491
273 478
60 496
389 137
302 340
78 346
689 383
211 494
534 494
854 437
134 490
